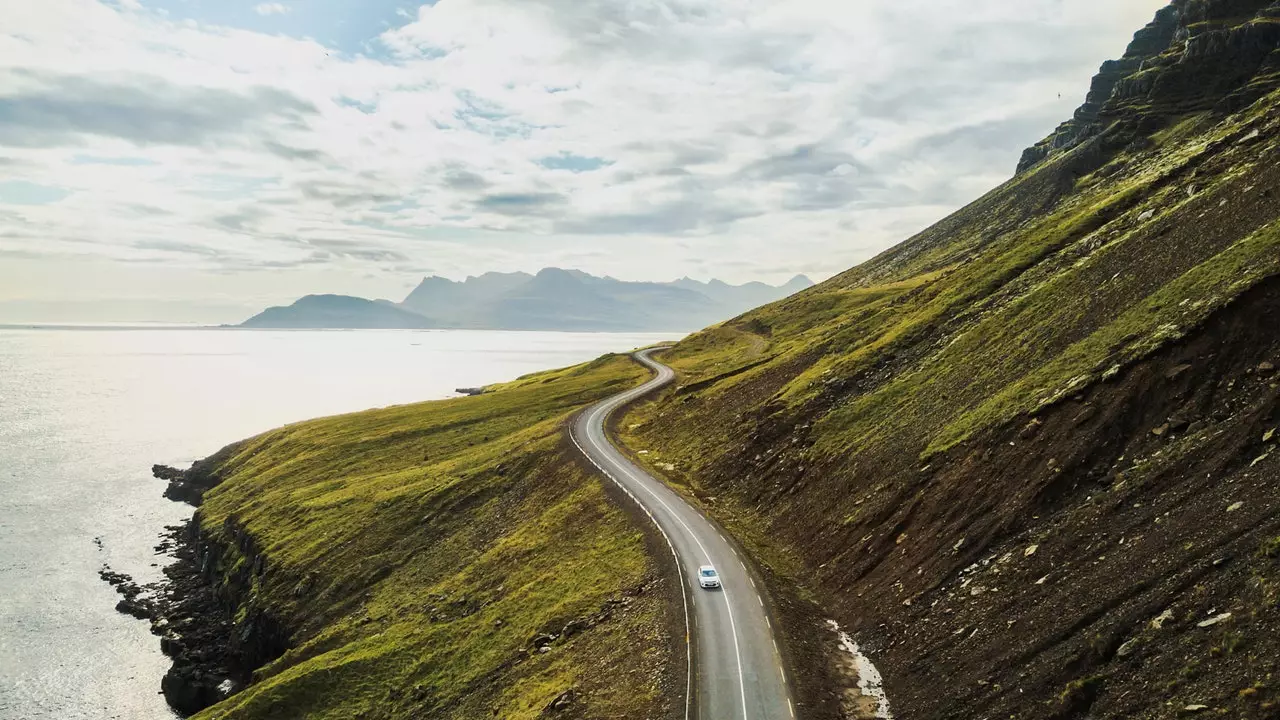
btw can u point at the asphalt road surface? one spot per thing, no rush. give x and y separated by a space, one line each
736 670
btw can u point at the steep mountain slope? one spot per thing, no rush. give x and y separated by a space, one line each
338 311
449 559
746 296
1028 456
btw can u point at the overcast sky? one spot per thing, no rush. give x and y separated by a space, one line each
194 159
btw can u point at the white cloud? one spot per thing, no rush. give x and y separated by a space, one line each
737 138
271 9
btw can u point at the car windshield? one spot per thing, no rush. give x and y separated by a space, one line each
708 572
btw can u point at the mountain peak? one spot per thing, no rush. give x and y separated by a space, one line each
337 311
560 274
493 275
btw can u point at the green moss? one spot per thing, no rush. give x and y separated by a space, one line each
1048 284
1078 691
716 351
1164 317
1270 548
417 549
994 348
1181 129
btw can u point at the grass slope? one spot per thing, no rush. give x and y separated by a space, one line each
416 551
885 430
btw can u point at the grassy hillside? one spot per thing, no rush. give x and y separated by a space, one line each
1028 458
1003 449
414 554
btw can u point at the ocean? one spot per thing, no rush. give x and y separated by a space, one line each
85 412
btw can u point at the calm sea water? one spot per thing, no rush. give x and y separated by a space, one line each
85 413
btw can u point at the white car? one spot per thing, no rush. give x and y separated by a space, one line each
708 577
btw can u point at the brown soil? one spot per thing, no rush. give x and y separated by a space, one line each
1152 493
1005 578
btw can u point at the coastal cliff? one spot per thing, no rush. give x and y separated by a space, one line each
449 560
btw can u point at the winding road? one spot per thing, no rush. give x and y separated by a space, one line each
735 668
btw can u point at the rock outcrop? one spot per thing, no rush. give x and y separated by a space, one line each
1218 55
190 485
204 610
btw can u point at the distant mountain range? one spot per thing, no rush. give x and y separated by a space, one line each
553 299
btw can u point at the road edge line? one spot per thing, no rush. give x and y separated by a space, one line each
684 593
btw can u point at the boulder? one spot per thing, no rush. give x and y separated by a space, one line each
134 608
188 690
573 627
172 645
1031 429
561 702
166 473
1214 620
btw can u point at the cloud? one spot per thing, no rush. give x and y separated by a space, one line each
643 139
358 251
271 9
460 178
293 153
532 203
240 220
671 218
54 111
174 246
344 195
573 163
807 159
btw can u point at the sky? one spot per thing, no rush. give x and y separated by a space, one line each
196 160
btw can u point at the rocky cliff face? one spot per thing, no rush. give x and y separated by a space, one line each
210 623
206 612
1218 55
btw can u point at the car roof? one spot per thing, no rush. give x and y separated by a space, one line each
707 567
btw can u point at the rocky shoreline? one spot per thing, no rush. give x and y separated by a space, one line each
193 609
192 625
